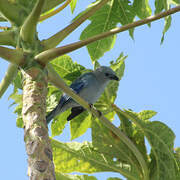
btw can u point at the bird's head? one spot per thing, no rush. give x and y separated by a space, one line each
106 73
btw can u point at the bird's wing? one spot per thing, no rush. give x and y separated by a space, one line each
76 86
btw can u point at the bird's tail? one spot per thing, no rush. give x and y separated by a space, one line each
57 110
50 116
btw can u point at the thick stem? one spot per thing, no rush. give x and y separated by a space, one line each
29 27
50 54
12 12
7 38
14 56
8 78
61 35
38 147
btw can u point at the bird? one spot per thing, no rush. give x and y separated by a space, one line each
88 86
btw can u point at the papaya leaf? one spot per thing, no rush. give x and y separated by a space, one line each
67 69
73 5
142 8
18 109
83 157
107 143
163 164
62 176
103 20
59 123
80 124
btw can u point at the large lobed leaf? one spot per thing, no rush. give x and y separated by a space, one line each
83 157
162 164
108 144
114 12
62 176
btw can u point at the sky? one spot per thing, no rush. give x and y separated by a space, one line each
150 82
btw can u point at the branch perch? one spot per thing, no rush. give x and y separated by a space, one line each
55 79
50 54
29 27
54 40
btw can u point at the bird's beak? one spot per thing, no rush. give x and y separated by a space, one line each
114 77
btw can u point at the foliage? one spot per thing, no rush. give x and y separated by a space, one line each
106 152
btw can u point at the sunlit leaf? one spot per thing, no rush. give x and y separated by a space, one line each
103 20
80 124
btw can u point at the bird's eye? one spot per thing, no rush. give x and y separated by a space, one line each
107 74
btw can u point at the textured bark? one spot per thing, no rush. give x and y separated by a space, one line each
38 148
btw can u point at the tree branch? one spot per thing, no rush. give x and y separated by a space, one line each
7 38
50 54
29 27
54 40
12 12
12 55
8 78
55 79
52 13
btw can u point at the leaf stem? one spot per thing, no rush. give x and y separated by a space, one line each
9 76
54 40
7 38
12 55
50 54
29 27
52 13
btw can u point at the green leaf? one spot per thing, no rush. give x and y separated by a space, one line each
67 69
18 109
160 5
142 8
146 114
163 165
80 124
166 26
17 82
114 178
103 20
108 144
59 123
73 5
62 176
83 157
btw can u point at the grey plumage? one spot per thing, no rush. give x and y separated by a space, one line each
89 86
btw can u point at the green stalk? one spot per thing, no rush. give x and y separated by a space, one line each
8 78
29 27
54 40
14 56
50 54
7 38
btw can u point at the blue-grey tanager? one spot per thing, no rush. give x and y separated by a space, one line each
89 86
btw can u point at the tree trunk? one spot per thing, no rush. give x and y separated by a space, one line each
38 147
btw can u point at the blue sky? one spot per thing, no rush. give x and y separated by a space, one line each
150 82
